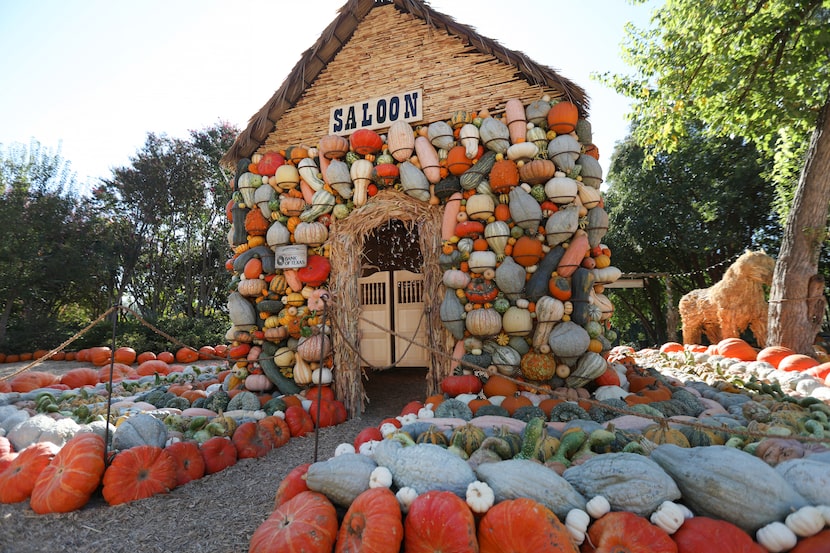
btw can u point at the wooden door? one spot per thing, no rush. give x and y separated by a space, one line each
392 325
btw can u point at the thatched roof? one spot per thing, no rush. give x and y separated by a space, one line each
314 60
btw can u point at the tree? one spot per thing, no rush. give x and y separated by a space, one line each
758 69
46 262
168 203
683 215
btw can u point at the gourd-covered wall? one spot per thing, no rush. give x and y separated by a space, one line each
498 173
521 258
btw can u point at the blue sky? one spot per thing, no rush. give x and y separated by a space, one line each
93 77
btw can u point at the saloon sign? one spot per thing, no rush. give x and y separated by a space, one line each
376 112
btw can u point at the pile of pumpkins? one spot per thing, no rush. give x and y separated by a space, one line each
522 253
748 471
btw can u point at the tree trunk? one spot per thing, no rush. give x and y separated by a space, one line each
797 302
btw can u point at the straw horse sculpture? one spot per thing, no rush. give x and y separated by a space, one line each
732 305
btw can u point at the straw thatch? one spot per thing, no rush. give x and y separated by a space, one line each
470 50
347 238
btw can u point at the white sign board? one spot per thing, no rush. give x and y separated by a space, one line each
293 256
375 113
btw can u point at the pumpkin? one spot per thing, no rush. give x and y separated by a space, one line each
498 385
457 160
774 354
517 321
18 478
480 291
219 453
80 377
538 366
483 323
537 171
662 433
333 146
298 420
461 384
624 531
187 355
813 544
292 484
255 223
523 526
277 429
69 480
504 176
190 465
439 521
527 251
797 362
736 348
307 522
564 151
316 270
251 440
372 524
311 233
562 117
365 142
32 380
138 473
697 534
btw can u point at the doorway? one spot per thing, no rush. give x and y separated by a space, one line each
392 325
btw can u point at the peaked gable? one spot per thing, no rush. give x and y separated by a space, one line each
376 47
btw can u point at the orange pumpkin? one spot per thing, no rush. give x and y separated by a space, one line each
152 367
523 526
251 440
277 428
17 480
306 522
219 453
527 251
797 362
292 484
100 355
457 160
190 465
498 385
298 420
439 521
511 403
372 524
32 380
697 534
166 357
503 176
736 348
670 347
774 354
70 479
187 355
255 223
125 354
562 117
625 531
145 356
80 377
365 142
138 473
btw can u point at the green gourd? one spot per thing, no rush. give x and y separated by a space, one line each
474 176
269 368
532 438
538 285
452 314
582 282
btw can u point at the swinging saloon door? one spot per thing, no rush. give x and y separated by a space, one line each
393 300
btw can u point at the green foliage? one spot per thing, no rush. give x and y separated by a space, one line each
758 70
682 214
152 237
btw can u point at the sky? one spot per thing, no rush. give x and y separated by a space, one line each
91 78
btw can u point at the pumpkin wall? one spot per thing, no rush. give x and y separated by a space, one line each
521 255
500 175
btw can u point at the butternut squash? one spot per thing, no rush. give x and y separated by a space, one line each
428 158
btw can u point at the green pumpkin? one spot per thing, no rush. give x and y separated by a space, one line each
468 438
432 436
